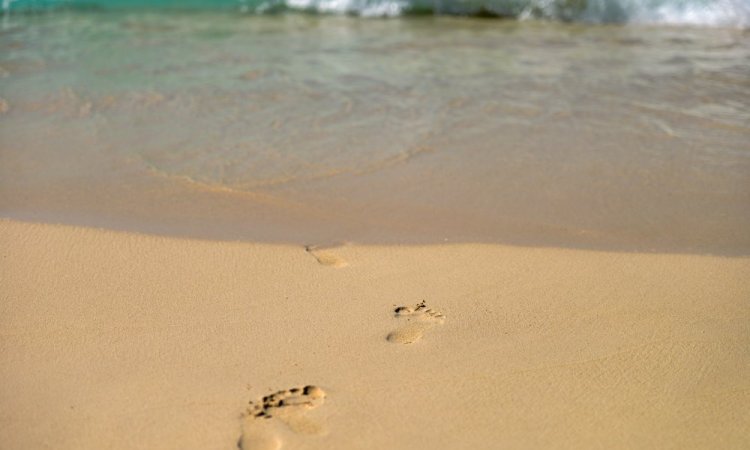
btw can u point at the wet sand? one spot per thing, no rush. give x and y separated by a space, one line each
120 340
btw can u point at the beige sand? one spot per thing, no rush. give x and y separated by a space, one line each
123 341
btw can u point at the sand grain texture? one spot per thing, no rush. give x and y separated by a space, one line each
124 341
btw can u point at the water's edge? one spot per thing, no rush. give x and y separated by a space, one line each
311 130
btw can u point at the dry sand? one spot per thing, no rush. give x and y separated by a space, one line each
122 341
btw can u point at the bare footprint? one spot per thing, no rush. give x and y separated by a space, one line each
325 256
416 320
289 407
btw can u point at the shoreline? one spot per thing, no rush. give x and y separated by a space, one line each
299 237
122 340
237 129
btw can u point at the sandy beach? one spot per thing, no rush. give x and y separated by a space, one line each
116 340
374 225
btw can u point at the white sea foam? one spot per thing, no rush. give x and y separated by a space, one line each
733 13
388 8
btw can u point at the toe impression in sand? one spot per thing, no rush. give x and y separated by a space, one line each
261 420
416 320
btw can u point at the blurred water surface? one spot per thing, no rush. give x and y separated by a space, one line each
306 129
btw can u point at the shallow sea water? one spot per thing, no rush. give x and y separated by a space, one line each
319 129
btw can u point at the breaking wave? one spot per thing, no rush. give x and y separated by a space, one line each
733 13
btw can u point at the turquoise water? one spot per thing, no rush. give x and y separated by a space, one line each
320 128
697 12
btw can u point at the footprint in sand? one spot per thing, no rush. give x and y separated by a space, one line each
325 256
416 320
260 423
